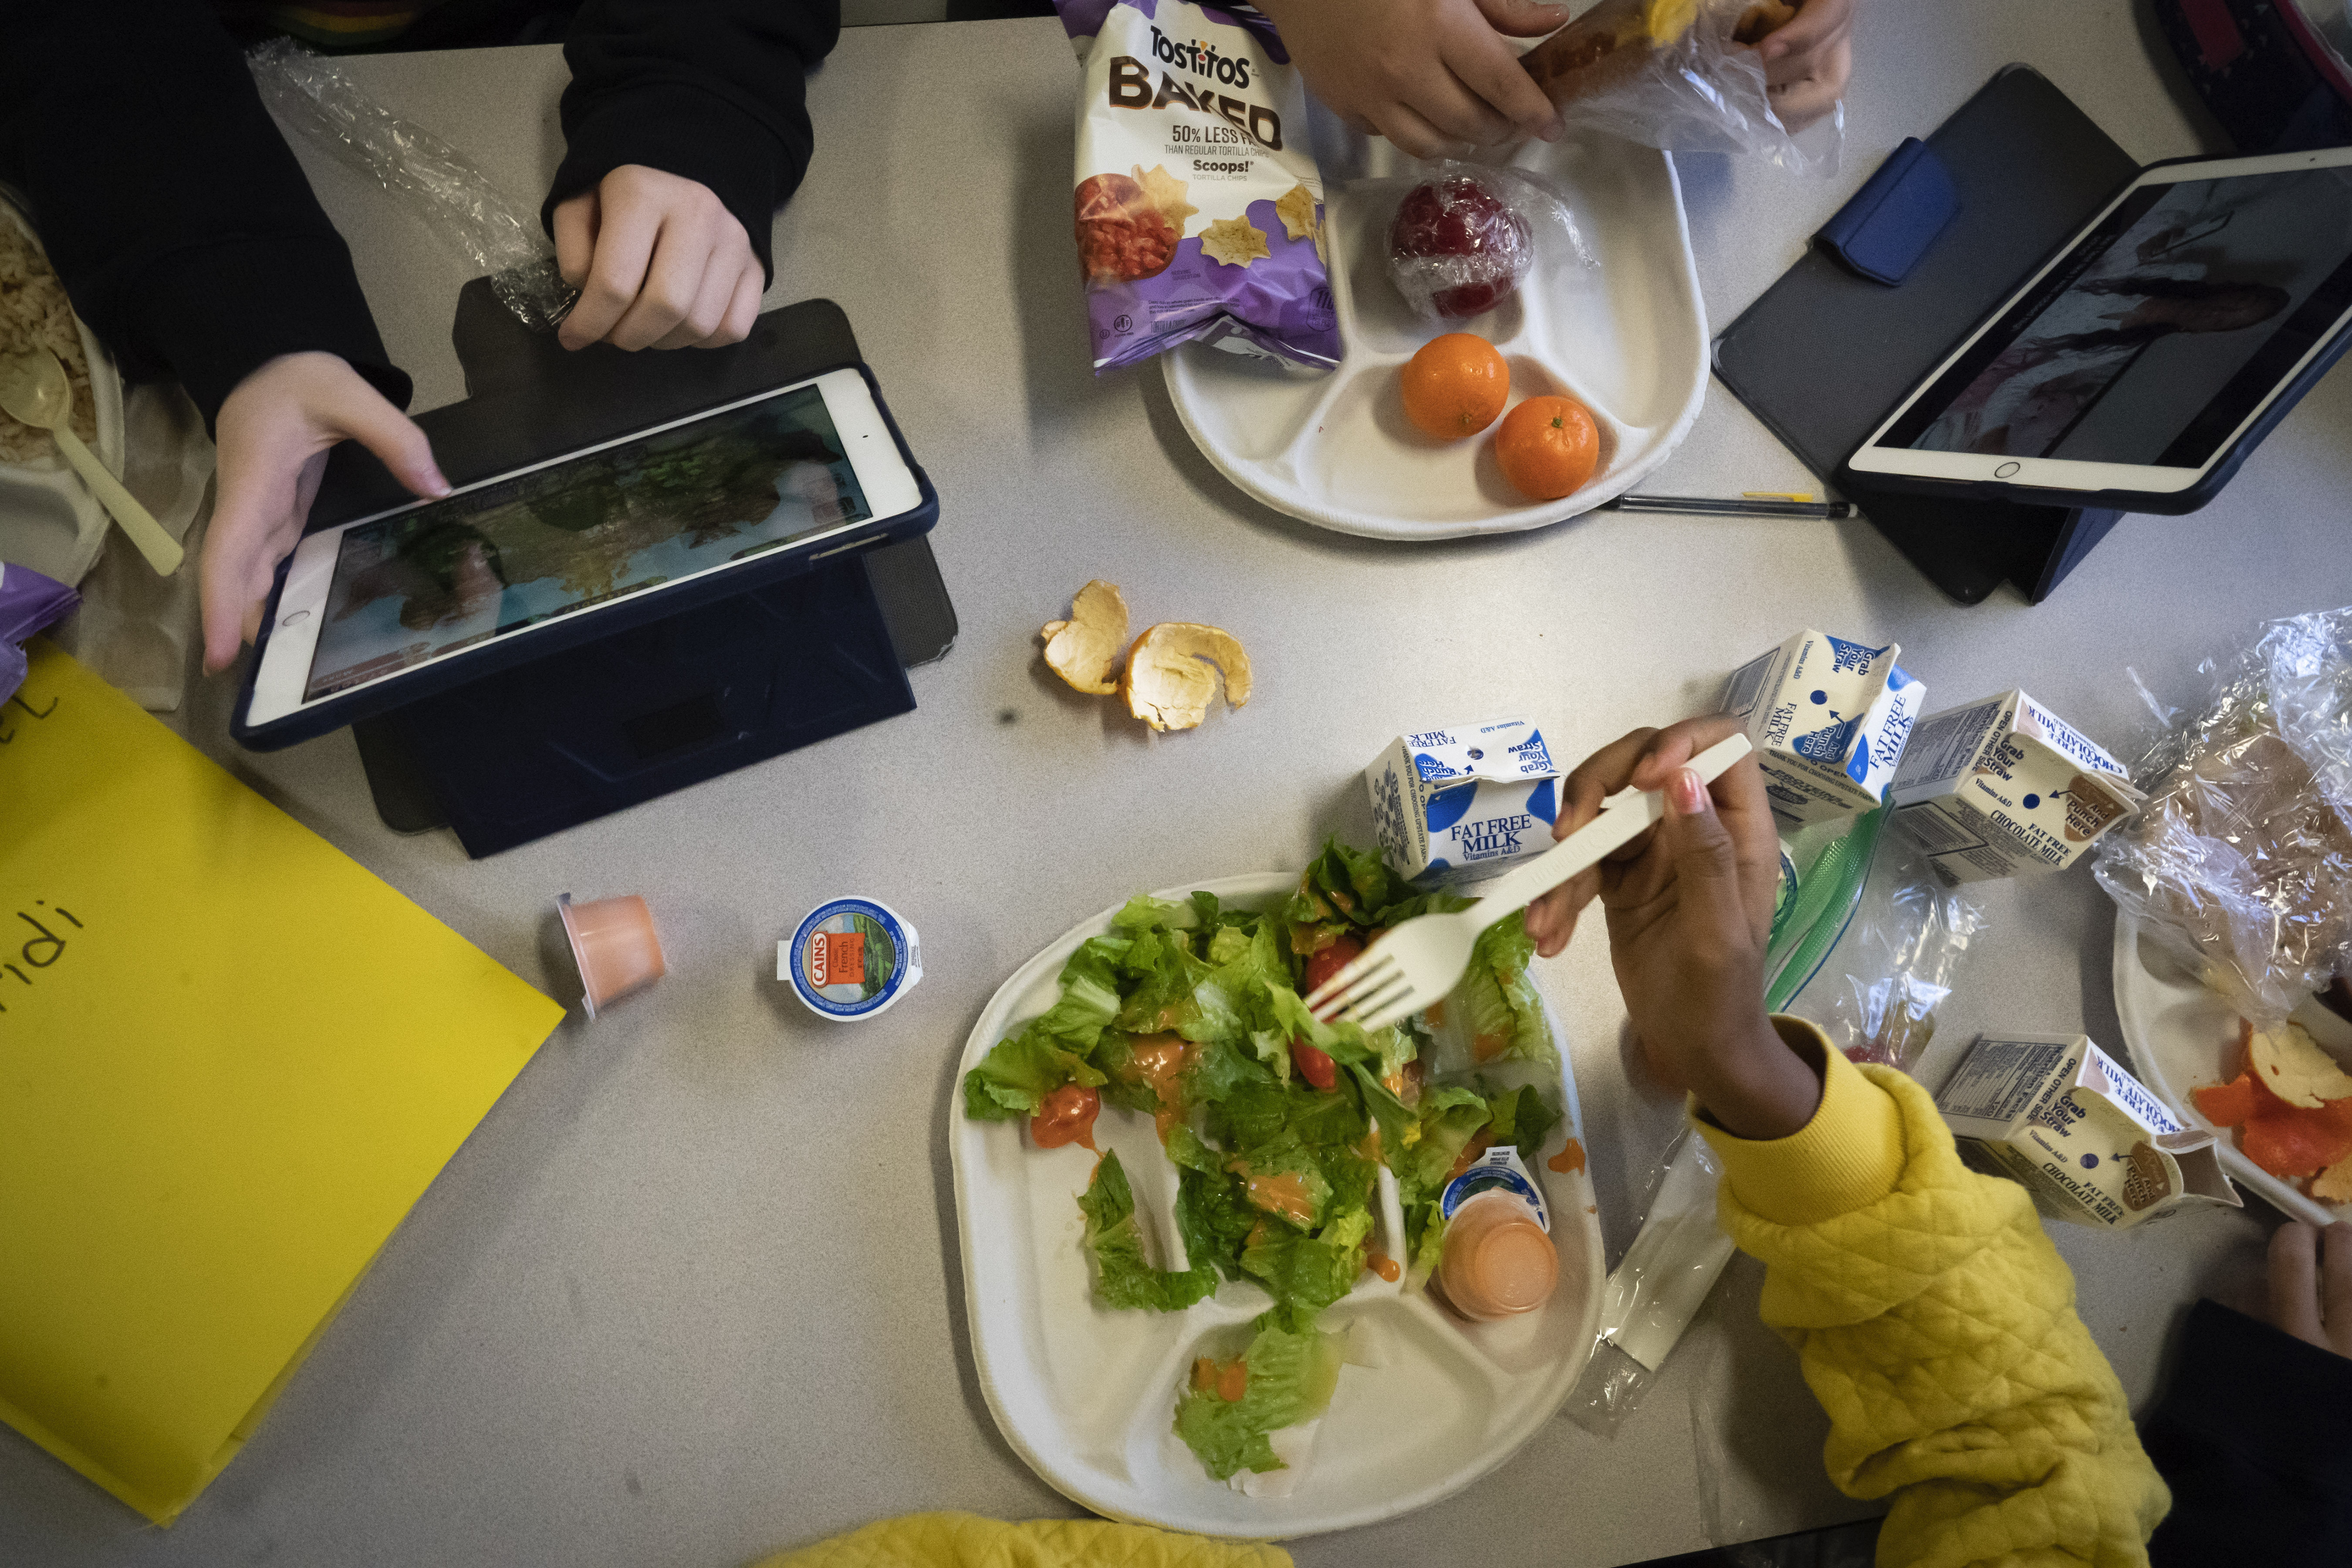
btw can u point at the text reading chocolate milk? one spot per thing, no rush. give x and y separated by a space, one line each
2083 1136
2005 788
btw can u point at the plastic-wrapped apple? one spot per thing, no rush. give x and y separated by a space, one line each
1456 248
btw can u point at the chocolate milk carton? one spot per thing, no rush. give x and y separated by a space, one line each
1828 719
1453 805
2003 787
2083 1136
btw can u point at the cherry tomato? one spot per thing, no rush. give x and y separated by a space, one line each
1066 1117
1329 961
1315 1067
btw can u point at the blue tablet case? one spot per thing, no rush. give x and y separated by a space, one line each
1900 212
728 681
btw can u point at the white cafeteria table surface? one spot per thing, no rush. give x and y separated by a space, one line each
692 1293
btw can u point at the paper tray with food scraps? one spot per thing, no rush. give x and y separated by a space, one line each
1424 1401
2184 1037
1621 329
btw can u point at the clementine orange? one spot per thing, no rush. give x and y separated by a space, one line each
1454 387
1547 446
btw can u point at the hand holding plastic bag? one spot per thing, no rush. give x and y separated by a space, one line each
432 179
1692 76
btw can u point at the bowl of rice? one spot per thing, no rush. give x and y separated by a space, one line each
48 520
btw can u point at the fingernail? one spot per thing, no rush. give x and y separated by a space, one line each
1688 791
435 484
1554 129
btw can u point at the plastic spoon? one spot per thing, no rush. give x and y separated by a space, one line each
35 390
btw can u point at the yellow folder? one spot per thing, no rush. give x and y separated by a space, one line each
230 1060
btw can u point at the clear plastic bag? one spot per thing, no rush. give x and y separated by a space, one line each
1464 239
313 96
1896 963
2240 865
1702 92
1655 1289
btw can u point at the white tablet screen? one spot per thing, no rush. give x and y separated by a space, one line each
419 585
2167 325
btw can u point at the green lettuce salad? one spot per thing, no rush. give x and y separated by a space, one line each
1191 1012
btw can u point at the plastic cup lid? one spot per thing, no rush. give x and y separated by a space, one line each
850 959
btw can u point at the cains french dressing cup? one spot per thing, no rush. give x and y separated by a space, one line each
1498 1258
851 959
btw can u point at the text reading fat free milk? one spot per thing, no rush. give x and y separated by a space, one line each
1456 805
1828 719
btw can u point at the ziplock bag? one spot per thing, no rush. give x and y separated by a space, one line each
1877 993
428 177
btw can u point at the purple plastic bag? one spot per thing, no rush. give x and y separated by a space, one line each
1199 208
28 601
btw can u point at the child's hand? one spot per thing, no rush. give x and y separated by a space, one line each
273 432
1432 76
659 262
1690 911
2309 1298
1806 63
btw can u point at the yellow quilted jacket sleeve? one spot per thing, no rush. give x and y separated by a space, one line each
968 1541
1936 1324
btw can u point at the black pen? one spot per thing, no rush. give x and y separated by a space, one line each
1732 506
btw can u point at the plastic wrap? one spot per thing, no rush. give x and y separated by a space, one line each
1464 239
311 94
1657 1288
1702 91
1897 962
2241 862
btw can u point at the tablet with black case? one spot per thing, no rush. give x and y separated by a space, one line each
374 614
2138 366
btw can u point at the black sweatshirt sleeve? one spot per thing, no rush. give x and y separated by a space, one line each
174 211
711 90
2255 1439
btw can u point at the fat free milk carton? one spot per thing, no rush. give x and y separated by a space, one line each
2004 786
2090 1142
1454 805
1828 719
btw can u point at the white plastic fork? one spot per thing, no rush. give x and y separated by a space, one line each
1421 961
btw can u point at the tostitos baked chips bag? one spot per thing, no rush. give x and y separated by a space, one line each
1199 215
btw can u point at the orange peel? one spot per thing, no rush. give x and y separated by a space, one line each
1082 649
2333 1185
2291 1065
1173 669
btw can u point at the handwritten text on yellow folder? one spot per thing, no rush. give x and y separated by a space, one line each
230 1061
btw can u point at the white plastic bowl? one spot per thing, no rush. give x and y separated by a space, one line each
49 521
